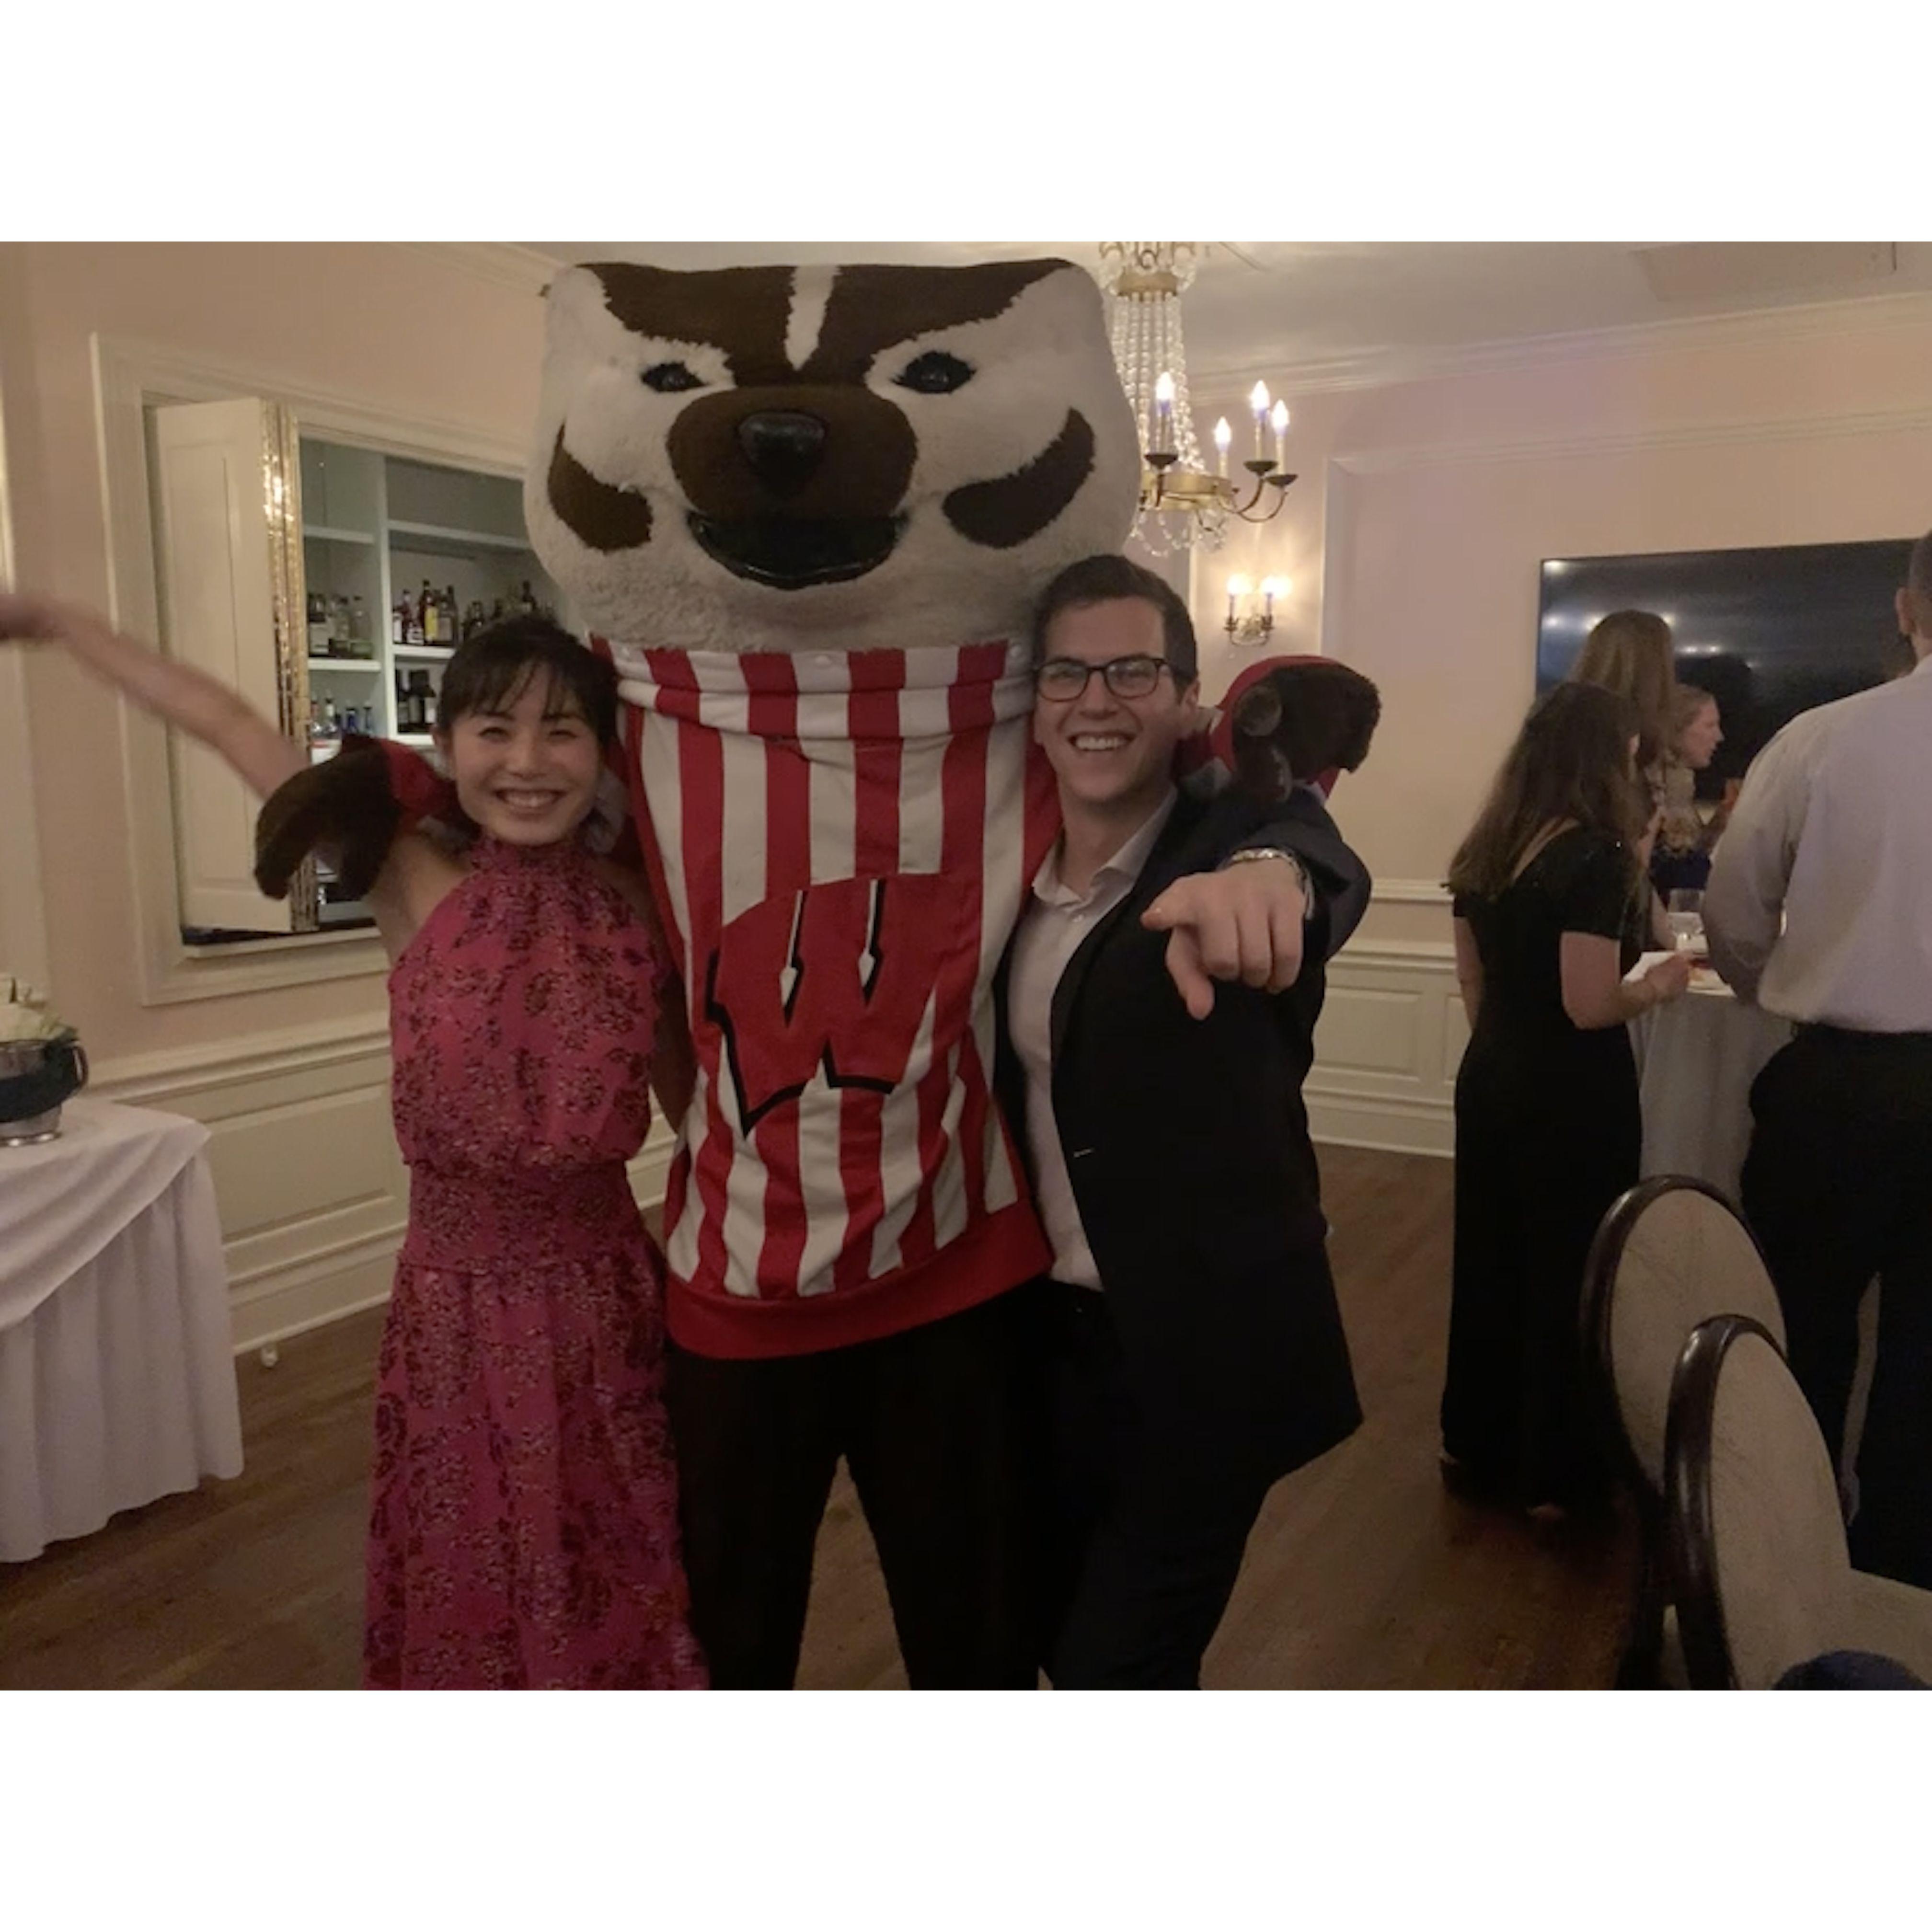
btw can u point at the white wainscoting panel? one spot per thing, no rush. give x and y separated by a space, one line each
312 1189
313 1194
1386 1052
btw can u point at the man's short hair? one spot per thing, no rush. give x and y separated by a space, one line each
1103 579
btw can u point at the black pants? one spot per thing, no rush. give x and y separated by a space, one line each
939 1429
1144 1537
1838 1188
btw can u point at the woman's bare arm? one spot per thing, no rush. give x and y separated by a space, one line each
1595 993
674 1060
205 709
1468 970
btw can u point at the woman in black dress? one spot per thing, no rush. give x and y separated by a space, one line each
1547 1129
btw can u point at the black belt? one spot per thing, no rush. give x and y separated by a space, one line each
1855 1037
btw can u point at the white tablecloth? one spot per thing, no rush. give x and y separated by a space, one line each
117 1373
1696 1060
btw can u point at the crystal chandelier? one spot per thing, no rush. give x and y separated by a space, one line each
1182 505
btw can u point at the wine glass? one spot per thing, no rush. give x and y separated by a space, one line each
1685 910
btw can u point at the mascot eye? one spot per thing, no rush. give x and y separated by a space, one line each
934 374
669 378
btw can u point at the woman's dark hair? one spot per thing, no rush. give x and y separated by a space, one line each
490 671
1104 579
1571 760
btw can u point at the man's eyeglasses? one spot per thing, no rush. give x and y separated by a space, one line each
1062 679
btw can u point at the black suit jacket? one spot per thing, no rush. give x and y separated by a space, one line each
1186 1141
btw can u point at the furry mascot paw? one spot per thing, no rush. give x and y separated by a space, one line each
350 809
1295 721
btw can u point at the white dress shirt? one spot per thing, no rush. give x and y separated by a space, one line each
1832 836
1055 922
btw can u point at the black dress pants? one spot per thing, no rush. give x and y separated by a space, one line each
939 1427
1837 1187
1144 1537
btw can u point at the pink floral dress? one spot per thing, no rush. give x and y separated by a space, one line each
524 1523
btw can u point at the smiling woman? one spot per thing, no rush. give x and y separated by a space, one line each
525 715
525 1331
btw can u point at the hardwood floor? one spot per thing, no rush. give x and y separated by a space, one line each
1363 1573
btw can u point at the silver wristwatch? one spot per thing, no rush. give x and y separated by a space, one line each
1253 852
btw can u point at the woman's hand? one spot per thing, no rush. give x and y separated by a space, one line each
1669 977
26 619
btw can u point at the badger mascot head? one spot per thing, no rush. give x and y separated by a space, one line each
855 458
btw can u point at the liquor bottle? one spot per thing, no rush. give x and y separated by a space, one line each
358 628
530 603
399 621
318 624
452 616
331 724
427 613
315 733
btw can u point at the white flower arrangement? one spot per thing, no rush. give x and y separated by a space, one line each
25 1014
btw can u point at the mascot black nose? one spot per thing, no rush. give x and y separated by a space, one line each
783 447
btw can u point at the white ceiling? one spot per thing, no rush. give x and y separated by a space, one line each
1262 304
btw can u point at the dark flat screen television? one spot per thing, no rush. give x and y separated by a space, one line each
1769 633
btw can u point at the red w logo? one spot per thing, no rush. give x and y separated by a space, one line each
837 976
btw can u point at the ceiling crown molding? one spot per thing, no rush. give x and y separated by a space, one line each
1385 368
508 264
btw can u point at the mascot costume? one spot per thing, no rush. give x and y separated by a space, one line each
807 512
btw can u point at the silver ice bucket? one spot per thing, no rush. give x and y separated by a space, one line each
36 1077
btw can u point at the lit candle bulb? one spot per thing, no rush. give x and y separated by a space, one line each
1273 587
1163 412
1237 588
1258 401
1223 436
1279 418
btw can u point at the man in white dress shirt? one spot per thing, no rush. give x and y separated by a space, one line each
1819 908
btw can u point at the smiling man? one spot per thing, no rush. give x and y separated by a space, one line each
1195 1352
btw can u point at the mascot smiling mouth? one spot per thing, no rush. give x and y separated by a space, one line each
794 553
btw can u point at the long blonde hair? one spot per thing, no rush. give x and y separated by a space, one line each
1631 652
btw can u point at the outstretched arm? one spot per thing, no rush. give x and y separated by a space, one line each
221 719
1244 922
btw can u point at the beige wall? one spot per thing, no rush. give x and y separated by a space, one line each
1424 507
389 327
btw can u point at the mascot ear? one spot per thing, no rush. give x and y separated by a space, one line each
1296 721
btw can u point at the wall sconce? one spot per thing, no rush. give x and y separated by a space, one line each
1245 625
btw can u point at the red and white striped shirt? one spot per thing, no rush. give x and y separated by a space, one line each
840 843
